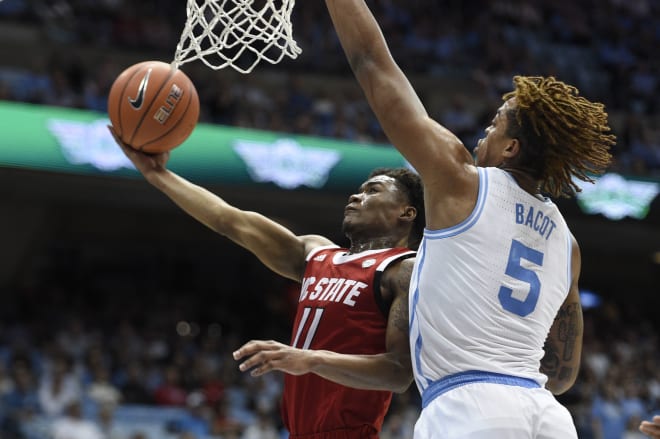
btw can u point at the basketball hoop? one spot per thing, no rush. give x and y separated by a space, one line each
237 33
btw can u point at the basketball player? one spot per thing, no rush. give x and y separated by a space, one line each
351 325
651 428
497 264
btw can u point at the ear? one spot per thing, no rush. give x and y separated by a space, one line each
409 214
512 149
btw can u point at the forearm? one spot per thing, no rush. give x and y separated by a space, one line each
391 96
369 372
196 201
274 245
358 31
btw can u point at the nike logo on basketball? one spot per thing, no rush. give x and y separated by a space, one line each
137 102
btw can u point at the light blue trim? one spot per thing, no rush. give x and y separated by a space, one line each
451 382
418 343
470 220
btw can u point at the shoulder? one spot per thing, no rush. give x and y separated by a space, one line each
315 243
396 276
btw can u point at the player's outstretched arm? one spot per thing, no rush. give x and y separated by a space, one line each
276 246
436 153
563 347
651 428
390 371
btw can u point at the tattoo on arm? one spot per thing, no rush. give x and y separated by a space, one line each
568 330
403 276
400 311
550 361
565 373
400 315
560 347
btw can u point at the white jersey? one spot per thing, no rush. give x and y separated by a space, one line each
485 292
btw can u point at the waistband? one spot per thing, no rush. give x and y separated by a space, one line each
451 382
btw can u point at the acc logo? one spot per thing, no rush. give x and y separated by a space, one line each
615 197
320 258
368 263
287 164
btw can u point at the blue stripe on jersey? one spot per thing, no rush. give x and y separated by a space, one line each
422 381
453 381
470 220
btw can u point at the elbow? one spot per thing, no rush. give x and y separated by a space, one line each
361 64
560 386
402 386
403 377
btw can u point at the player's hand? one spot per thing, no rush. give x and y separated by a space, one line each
266 356
651 428
143 162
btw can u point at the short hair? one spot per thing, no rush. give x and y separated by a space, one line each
562 135
411 184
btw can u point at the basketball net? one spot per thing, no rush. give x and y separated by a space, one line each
237 33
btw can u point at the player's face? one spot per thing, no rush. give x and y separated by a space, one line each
490 148
376 208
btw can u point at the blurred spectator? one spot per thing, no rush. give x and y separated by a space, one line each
262 428
107 423
21 403
632 429
101 391
73 339
59 387
224 423
72 425
170 392
197 420
608 416
133 388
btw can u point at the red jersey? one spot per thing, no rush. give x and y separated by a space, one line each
340 309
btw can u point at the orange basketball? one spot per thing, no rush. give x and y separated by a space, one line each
153 106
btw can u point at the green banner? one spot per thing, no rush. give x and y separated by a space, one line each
78 141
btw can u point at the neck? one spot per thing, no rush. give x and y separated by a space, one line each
524 180
373 244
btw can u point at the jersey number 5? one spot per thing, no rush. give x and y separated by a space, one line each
514 268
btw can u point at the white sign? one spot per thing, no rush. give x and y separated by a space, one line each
615 197
89 143
286 163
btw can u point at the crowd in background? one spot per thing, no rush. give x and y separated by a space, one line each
607 49
76 354
158 364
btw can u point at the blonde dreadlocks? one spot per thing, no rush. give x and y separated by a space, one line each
562 134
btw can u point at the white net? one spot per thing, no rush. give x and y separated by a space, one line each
237 33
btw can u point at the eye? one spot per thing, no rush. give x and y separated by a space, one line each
372 190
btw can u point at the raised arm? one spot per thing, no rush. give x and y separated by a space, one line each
563 347
276 246
436 153
390 370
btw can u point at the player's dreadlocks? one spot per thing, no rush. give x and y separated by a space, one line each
562 134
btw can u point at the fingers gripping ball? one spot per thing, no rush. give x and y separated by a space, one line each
153 107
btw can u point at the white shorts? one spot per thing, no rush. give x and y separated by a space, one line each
495 411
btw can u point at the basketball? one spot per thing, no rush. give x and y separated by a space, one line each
153 106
